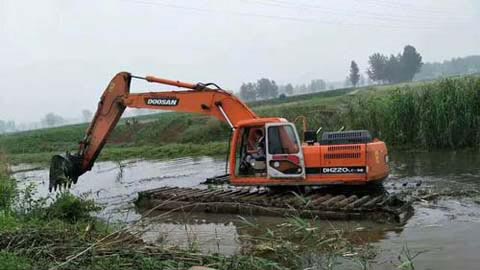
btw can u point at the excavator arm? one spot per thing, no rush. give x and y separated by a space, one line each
196 98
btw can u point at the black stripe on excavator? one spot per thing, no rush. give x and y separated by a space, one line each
335 170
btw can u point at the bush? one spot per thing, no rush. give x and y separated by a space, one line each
7 186
7 194
70 208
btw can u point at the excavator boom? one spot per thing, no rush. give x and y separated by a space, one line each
196 98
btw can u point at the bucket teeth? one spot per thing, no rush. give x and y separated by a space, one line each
64 170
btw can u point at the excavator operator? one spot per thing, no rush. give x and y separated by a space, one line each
259 145
256 156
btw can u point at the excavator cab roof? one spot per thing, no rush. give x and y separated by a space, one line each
260 121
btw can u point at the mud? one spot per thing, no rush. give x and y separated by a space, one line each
445 227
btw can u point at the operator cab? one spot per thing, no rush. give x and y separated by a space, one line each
271 150
268 152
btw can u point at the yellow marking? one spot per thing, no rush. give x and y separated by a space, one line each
111 86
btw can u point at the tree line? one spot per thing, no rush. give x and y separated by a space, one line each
398 68
265 88
393 68
49 120
7 126
455 66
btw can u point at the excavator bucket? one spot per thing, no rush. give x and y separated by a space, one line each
64 170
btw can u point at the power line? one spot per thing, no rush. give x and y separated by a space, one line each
406 5
366 14
279 18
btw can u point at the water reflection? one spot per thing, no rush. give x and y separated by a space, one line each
213 232
115 185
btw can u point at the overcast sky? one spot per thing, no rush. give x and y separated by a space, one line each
58 55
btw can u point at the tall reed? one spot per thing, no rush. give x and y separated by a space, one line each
442 114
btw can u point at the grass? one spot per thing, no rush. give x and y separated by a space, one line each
167 128
118 153
7 187
171 135
11 261
436 115
168 151
300 243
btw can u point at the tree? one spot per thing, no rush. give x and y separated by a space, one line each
347 82
455 66
376 71
317 85
289 89
248 92
52 119
86 115
411 62
302 88
393 69
7 126
354 76
266 88
362 80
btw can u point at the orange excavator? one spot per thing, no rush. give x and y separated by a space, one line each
263 152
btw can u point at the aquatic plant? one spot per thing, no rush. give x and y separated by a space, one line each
442 114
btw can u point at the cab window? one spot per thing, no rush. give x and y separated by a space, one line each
282 140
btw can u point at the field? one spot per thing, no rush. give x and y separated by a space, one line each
442 114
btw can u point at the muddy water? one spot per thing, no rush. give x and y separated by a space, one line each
446 232
115 185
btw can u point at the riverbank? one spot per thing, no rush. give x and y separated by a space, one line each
118 153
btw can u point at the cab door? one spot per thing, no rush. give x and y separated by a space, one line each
284 152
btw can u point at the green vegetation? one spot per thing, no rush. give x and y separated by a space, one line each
122 152
441 114
454 67
7 188
354 76
13 262
428 115
167 135
297 243
395 68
